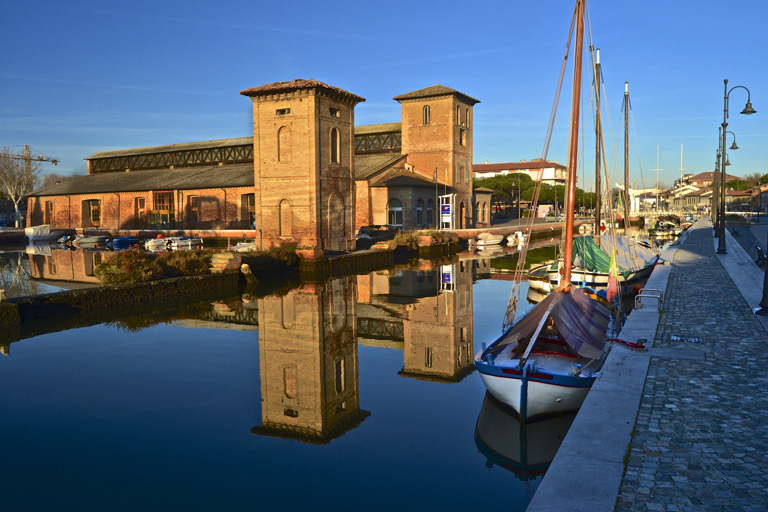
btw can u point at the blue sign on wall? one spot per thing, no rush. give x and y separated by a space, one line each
445 209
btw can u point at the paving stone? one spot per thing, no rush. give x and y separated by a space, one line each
702 427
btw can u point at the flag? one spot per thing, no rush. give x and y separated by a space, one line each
613 285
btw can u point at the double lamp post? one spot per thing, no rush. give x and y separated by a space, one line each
723 161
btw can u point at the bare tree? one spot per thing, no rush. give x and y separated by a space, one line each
753 179
18 176
52 178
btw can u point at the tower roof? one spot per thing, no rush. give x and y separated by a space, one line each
298 84
436 90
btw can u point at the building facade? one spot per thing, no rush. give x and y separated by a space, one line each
307 177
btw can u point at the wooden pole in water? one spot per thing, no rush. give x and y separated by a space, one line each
574 145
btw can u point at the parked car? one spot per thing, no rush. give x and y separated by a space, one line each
553 217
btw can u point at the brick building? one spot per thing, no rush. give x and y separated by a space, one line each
307 176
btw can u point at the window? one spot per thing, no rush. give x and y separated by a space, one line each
193 211
466 117
282 111
290 381
284 144
163 216
248 205
458 177
335 147
163 200
430 207
458 114
48 215
419 212
395 212
466 176
286 218
483 212
140 212
339 371
92 213
463 137
428 357
426 114
335 112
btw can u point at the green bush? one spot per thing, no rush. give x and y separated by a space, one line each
129 266
184 263
407 239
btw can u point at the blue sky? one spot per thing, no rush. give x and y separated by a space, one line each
88 76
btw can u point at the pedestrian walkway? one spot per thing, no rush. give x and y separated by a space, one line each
683 426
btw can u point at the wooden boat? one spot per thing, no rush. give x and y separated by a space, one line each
488 239
591 264
516 239
546 361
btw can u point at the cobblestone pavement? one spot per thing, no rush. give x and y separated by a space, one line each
701 438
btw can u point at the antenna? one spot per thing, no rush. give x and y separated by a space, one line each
657 169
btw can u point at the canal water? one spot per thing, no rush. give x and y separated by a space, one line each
353 394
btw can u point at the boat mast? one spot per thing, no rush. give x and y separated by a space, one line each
626 155
598 140
574 145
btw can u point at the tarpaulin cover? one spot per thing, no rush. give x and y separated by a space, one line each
580 320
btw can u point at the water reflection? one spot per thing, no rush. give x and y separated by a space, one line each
527 449
308 362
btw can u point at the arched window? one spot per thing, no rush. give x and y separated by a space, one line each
284 144
286 218
466 117
483 212
419 212
335 146
430 207
458 114
477 212
427 118
395 212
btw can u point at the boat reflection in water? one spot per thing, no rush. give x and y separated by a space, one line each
526 449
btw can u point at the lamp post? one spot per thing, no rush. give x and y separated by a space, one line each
747 110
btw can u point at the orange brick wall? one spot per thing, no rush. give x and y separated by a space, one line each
316 193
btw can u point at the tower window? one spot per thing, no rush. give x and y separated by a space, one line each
335 147
335 112
282 111
426 115
463 137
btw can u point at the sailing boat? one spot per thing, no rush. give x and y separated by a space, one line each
592 261
546 362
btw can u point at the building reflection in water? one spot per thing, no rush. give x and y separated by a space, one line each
434 306
527 449
308 362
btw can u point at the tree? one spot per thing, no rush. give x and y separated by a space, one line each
18 176
753 179
51 179
764 179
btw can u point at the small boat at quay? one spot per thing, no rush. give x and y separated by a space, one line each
173 243
91 242
546 361
488 239
123 242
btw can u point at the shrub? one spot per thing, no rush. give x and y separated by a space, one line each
129 266
409 240
184 263
443 237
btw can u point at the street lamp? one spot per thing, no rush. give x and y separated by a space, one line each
747 110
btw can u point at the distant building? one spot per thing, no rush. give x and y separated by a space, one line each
539 170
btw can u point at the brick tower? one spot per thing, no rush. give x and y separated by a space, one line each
437 136
303 153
